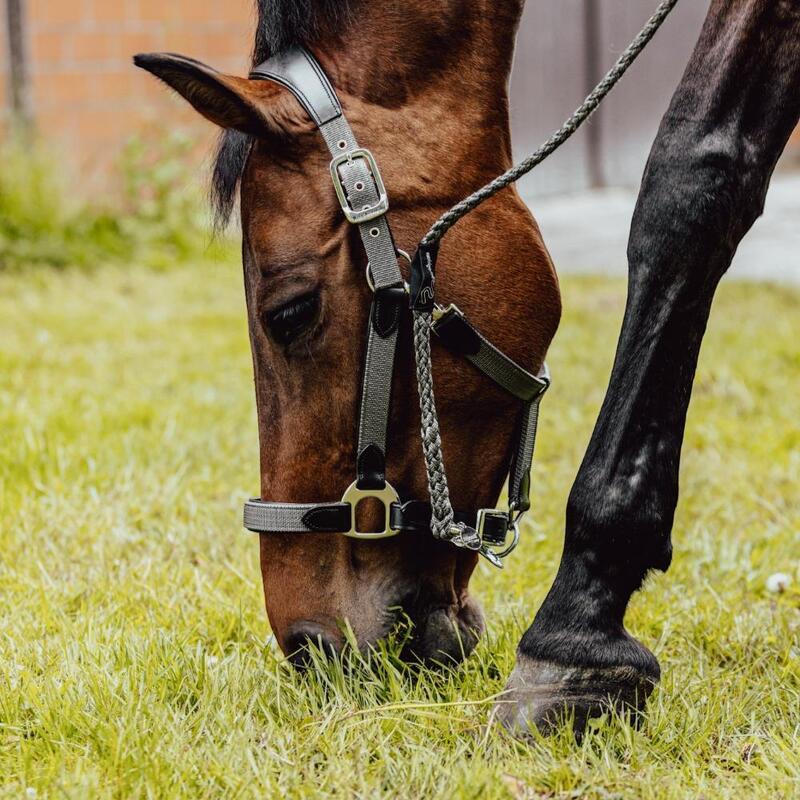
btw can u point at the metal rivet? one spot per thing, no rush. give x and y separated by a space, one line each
375 233
342 145
359 187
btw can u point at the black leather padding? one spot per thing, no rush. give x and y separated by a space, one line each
299 72
387 308
414 515
371 467
457 335
334 518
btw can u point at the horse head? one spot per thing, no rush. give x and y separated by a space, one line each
424 87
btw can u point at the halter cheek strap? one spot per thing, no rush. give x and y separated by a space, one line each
364 201
362 195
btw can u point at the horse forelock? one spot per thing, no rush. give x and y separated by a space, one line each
281 24
284 23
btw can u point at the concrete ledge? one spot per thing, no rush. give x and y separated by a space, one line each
587 232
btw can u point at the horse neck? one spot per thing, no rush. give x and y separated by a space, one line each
443 63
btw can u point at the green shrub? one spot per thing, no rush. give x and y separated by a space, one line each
157 216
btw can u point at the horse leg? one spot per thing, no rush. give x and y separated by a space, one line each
703 188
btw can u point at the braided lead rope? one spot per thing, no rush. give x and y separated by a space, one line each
584 111
442 523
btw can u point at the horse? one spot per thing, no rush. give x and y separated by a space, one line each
424 85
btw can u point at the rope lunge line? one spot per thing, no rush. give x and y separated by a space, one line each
423 282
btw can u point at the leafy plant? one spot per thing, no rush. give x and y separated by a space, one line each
157 217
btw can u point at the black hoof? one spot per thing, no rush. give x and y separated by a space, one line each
543 695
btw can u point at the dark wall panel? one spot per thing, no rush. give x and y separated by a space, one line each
559 42
631 115
547 84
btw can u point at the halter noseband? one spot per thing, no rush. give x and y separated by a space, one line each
364 200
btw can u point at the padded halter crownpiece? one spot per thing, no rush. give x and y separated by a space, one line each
364 200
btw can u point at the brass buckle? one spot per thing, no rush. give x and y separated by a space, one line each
442 311
368 213
354 496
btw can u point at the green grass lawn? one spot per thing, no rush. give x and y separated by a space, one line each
135 657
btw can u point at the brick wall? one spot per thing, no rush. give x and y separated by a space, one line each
87 97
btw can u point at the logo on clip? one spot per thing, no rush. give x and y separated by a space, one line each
423 278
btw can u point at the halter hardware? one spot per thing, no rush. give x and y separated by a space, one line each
481 527
400 254
373 210
355 496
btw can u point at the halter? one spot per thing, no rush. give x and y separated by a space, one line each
365 202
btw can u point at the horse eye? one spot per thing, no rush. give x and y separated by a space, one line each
288 322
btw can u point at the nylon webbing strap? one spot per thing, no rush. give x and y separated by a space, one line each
360 187
455 331
519 480
288 517
361 192
413 516
457 334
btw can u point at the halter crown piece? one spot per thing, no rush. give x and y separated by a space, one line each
364 200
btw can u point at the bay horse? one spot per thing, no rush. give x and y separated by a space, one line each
424 85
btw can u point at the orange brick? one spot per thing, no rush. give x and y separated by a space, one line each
238 12
89 99
60 89
48 46
142 41
221 44
105 11
115 86
95 46
158 11
55 12
192 11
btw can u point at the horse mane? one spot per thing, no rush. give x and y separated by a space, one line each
281 24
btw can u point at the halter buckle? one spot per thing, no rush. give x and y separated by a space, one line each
355 496
488 533
495 557
368 213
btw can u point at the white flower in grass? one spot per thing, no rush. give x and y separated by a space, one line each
778 583
31 793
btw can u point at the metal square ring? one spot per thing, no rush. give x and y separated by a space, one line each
493 513
354 215
387 496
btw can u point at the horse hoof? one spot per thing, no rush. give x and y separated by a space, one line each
543 695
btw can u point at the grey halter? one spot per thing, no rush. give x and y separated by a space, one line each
364 201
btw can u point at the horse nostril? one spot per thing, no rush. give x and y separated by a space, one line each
300 641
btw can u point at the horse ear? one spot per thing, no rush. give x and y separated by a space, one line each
227 101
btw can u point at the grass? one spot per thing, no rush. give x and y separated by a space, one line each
135 659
